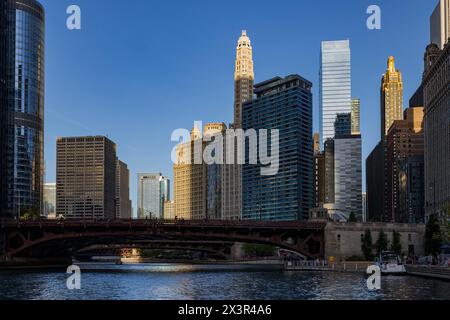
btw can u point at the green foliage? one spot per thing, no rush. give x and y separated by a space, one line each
396 245
367 245
31 213
382 243
352 218
258 250
433 236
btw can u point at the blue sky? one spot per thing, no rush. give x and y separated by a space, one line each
139 69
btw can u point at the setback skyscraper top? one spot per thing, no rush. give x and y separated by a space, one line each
243 76
391 97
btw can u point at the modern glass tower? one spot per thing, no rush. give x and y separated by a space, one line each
153 191
440 24
335 84
21 107
284 104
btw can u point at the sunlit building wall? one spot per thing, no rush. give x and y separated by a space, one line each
391 97
50 200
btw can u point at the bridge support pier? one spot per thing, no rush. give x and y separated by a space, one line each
236 251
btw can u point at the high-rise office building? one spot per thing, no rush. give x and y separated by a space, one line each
316 142
3 100
190 179
152 193
284 104
364 207
169 210
318 172
244 76
343 124
411 190
391 97
335 84
391 109
319 178
440 24
436 88
347 177
50 200
22 51
86 177
356 116
123 202
375 183
405 139
329 174
213 135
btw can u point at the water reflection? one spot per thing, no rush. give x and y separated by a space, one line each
188 282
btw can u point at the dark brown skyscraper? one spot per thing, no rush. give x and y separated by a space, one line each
123 202
86 178
404 140
436 91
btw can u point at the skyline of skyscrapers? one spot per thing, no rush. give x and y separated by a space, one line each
219 189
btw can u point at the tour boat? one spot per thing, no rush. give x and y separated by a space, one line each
390 263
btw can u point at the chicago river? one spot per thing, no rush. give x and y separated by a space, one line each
210 282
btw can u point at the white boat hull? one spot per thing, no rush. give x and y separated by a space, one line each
393 269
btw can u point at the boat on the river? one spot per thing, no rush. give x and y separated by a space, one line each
390 263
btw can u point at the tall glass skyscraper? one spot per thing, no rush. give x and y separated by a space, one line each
153 191
284 104
21 106
335 84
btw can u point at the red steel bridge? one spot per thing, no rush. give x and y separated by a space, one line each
65 238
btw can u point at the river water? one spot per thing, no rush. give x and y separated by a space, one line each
188 282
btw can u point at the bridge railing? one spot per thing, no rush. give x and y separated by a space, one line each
162 222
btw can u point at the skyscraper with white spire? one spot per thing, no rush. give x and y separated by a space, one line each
243 76
243 91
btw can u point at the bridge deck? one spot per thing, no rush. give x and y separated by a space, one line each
8 223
